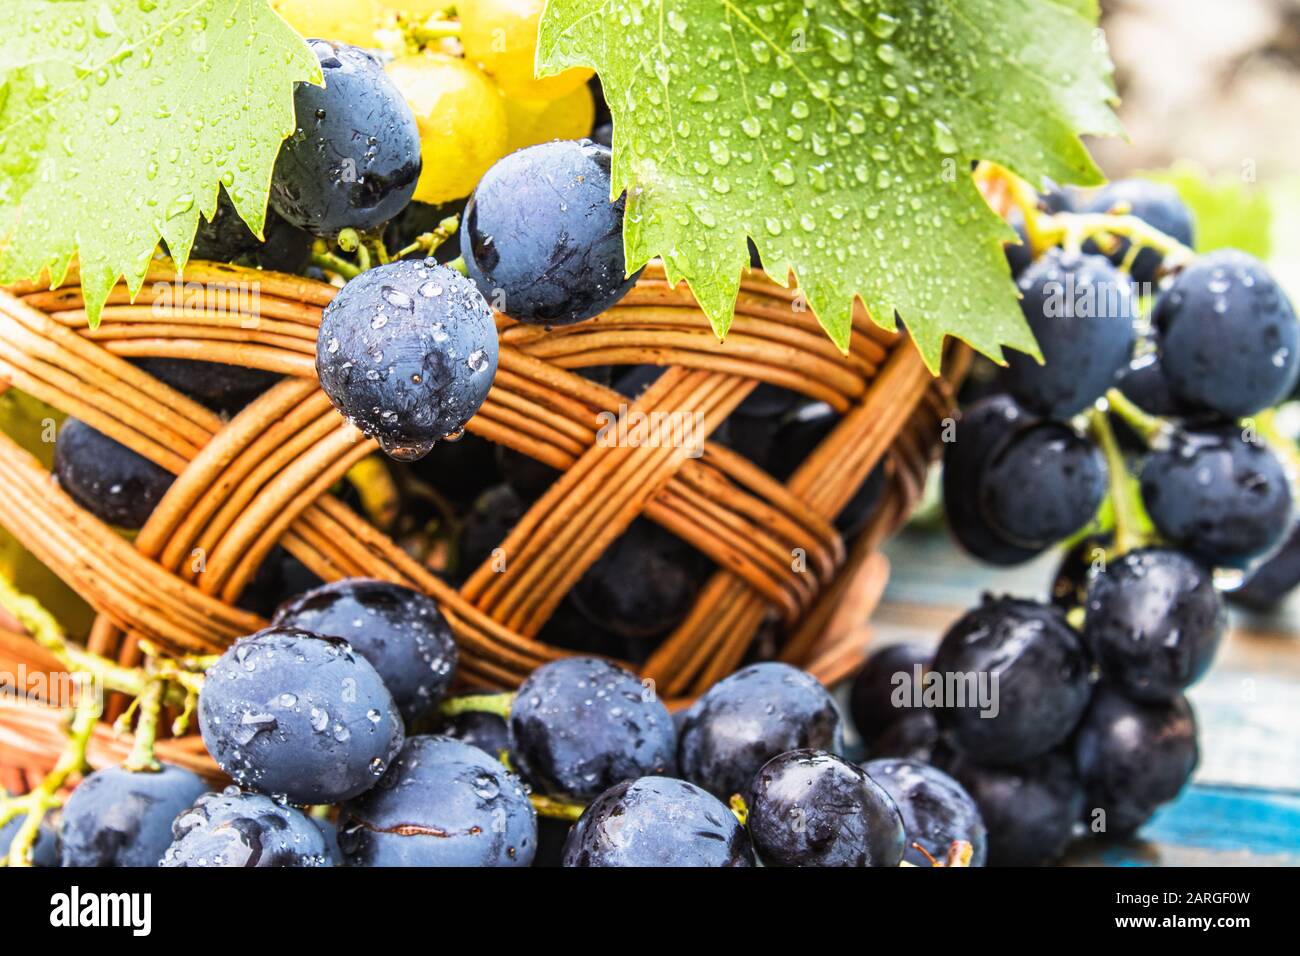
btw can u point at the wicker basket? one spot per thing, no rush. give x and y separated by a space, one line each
262 478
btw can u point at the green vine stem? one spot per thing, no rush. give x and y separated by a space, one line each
146 729
1127 534
555 809
498 704
1072 229
1148 427
428 242
44 797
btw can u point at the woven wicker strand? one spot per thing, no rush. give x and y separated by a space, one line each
262 478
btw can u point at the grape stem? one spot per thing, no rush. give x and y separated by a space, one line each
739 808
44 797
498 704
555 809
142 757
1148 427
336 264
1127 536
1072 229
434 29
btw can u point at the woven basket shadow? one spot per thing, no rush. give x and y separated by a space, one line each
264 476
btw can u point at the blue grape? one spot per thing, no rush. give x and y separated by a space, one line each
885 672
1154 622
442 803
979 431
354 159
1268 585
227 238
1042 484
746 719
1134 756
1228 335
106 478
1155 204
1042 673
291 713
643 585
407 352
812 808
1217 496
400 631
223 388
657 822
936 809
542 240
490 733
1029 810
580 725
796 438
1081 311
234 829
117 817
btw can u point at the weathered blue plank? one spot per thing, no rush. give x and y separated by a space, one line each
1211 826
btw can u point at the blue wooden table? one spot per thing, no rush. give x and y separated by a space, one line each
1243 807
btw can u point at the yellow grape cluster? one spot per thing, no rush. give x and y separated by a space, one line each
475 101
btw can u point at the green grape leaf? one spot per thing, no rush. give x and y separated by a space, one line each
1228 212
119 120
839 135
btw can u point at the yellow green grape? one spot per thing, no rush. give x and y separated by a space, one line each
501 36
462 121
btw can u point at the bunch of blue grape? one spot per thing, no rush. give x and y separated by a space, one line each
1134 443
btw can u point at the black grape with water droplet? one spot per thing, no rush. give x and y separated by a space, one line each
580 725
1042 680
746 719
937 811
354 159
811 808
1154 622
1029 810
407 352
1157 205
979 431
1134 756
106 478
400 631
233 829
1217 496
657 822
1228 335
118 817
291 713
1081 311
1042 484
442 803
542 240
